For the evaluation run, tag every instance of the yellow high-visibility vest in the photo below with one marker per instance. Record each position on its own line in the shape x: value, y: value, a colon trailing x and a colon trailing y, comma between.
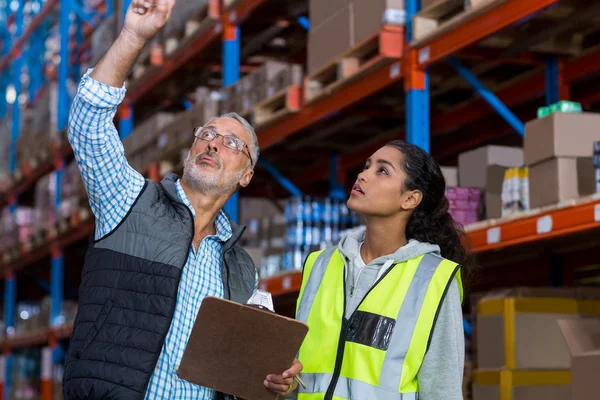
x: 376, y: 353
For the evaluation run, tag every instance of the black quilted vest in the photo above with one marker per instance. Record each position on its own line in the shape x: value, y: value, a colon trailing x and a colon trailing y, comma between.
x: 128, y: 294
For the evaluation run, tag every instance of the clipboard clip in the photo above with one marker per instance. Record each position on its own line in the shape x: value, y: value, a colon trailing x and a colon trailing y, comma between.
x: 262, y: 300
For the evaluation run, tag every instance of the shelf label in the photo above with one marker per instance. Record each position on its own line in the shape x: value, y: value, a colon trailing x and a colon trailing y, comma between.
x: 424, y: 54
x: 163, y: 140
x: 493, y: 235
x: 597, y: 213
x: 287, y: 282
x: 46, y: 367
x: 544, y: 224
x: 2, y: 368
x: 395, y: 70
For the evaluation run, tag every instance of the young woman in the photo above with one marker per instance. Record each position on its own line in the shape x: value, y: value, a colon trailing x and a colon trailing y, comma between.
x: 384, y: 306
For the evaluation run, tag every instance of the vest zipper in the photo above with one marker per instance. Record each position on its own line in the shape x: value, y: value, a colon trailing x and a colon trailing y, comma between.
x: 343, y: 335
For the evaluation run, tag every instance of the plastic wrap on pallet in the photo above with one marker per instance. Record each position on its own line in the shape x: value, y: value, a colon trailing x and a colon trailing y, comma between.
x: 15, y: 227
x: 5, y: 137
x: 45, y: 197
x: 206, y: 107
x: 147, y: 132
x: 232, y: 97
x: 182, y: 12
x: 72, y: 191
x: 464, y: 204
x: 103, y: 37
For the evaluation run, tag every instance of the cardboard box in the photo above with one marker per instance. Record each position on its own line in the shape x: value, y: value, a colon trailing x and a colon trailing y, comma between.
x: 561, y: 135
x: 329, y: 40
x: 450, y: 175
x: 560, y: 179
x: 583, y: 339
x: 493, y: 191
x: 369, y: 16
x: 472, y: 165
x: 516, y: 333
x: 522, y: 385
x: 321, y: 10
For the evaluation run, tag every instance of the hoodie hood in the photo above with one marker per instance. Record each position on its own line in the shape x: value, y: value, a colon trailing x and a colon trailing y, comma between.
x: 360, y: 278
x: 349, y: 247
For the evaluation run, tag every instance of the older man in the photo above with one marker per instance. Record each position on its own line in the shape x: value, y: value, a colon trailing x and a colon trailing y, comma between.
x: 159, y: 248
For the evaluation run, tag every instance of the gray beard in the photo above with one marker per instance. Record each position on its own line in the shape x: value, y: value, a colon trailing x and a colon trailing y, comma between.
x: 216, y: 184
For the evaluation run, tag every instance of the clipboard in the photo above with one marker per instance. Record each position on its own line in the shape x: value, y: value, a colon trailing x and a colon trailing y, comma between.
x: 233, y: 347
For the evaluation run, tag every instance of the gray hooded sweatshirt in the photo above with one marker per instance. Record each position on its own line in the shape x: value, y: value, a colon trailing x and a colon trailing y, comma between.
x: 441, y: 374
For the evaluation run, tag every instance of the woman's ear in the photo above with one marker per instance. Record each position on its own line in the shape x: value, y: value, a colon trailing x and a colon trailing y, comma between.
x: 411, y: 199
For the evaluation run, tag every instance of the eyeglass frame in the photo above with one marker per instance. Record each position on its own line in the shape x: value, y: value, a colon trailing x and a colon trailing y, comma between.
x: 198, y: 129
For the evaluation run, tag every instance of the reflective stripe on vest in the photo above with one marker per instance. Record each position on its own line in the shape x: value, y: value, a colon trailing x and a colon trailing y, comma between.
x: 383, y: 364
x: 351, y: 388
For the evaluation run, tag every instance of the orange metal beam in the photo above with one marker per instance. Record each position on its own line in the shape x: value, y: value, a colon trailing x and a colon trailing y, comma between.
x: 282, y: 284
x: 541, y: 226
x: 313, y: 112
x: 478, y: 28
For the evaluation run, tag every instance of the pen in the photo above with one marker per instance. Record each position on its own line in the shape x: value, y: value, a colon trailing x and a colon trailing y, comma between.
x: 300, y: 382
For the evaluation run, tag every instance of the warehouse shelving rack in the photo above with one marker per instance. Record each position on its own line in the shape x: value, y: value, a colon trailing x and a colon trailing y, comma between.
x: 511, y: 237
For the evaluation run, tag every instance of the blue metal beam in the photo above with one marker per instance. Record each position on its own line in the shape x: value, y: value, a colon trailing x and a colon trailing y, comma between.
x: 17, y: 68
x: 10, y: 308
x: 126, y: 122
x: 304, y: 22
x: 87, y: 17
x: 110, y: 9
x: 336, y: 189
x: 63, y: 68
x: 231, y: 74
x: 417, y: 117
x: 412, y: 7
x: 552, y: 80
x: 76, y: 69
x: 126, y: 4
x: 489, y: 97
x: 417, y: 94
x: 283, y: 181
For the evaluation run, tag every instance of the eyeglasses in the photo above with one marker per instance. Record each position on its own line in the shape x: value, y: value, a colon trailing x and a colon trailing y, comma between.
x: 231, y: 142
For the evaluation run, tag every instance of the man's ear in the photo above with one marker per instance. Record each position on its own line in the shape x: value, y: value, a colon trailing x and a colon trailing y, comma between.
x: 411, y: 199
x: 245, y: 181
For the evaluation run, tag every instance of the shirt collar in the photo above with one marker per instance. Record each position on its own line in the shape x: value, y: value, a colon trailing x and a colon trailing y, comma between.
x: 222, y: 224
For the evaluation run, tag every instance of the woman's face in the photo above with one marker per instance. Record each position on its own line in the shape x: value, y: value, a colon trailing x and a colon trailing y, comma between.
x: 379, y: 189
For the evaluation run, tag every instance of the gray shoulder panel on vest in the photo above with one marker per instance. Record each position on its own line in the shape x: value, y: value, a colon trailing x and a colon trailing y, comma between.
x: 391, y: 372
x: 149, y: 230
x: 314, y: 281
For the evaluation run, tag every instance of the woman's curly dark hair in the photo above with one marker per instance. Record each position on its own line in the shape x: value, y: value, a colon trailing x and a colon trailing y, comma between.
x: 431, y: 222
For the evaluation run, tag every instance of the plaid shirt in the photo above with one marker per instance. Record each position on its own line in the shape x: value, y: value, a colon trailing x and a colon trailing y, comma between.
x: 112, y: 186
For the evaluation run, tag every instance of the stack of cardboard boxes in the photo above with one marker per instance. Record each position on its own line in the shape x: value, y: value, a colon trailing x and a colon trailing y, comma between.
x: 270, y: 78
x: 339, y: 25
x: 5, y: 138
x: 484, y: 168
x: 522, y: 353
x: 558, y: 150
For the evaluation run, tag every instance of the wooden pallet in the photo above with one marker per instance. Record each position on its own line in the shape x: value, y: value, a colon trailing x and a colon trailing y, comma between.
x: 434, y: 20
x: 285, y: 102
x: 382, y: 48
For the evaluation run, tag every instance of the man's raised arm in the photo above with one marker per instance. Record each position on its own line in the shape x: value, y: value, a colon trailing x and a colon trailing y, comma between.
x: 111, y: 183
